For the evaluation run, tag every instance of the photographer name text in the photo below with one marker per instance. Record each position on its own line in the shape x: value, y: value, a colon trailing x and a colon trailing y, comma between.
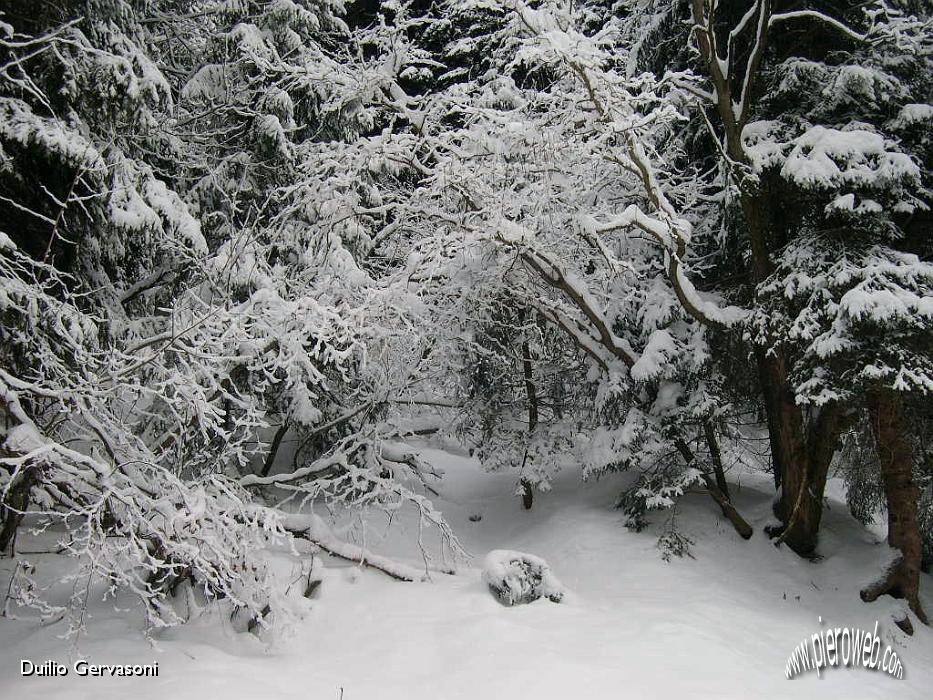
x: 85, y: 668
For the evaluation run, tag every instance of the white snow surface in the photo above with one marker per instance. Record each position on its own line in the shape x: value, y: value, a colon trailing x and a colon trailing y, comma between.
x: 720, y: 625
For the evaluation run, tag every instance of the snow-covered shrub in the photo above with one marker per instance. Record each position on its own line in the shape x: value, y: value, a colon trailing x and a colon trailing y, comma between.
x: 516, y: 578
x: 72, y: 458
x: 170, y: 300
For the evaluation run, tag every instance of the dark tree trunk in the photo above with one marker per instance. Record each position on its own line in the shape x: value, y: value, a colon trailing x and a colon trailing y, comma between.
x: 274, y: 448
x: 716, y: 456
x: 532, y: 393
x: 13, y: 507
x: 801, y: 452
x: 895, y: 456
x: 528, y: 495
x: 728, y: 510
x: 806, y: 458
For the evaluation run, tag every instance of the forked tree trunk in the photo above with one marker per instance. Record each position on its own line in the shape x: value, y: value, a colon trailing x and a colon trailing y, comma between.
x: 895, y: 456
x: 802, y: 452
x: 799, y: 451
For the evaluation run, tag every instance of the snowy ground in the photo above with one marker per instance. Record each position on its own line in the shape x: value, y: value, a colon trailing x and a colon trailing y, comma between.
x: 720, y: 626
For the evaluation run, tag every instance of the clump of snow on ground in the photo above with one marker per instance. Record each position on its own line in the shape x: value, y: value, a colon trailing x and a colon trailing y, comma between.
x: 516, y: 578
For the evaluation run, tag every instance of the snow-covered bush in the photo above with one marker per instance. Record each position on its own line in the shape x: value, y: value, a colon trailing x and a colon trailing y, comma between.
x: 74, y: 459
x: 152, y: 342
x: 516, y: 578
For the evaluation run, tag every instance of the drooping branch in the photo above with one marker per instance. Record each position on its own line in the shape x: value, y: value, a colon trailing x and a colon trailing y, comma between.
x: 728, y: 509
x: 551, y: 272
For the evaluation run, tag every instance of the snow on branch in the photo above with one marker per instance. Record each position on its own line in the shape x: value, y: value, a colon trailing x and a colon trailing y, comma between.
x: 819, y: 17
x: 312, y: 528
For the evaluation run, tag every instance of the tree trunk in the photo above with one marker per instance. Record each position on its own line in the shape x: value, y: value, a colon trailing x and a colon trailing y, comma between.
x: 799, y: 506
x: 728, y: 510
x: 716, y: 457
x: 895, y: 455
x: 274, y: 447
x: 12, y: 509
x: 528, y: 495
x: 531, y: 391
x: 805, y: 461
x: 801, y: 453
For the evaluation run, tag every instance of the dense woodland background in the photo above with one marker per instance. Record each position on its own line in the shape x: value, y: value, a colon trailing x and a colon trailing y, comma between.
x: 249, y: 249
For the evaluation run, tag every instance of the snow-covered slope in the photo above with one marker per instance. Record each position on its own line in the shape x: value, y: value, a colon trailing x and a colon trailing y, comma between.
x: 720, y: 625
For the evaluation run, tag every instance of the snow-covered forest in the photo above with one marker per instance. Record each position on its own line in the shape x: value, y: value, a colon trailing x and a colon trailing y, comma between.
x: 464, y: 348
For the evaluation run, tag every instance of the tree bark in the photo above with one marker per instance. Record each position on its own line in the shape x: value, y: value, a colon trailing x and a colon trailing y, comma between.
x: 716, y: 456
x: 895, y: 455
x: 14, y: 506
x: 274, y: 447
x: 804, y: 459
x: 728, y: 510
x: 798, y: 451
x: 532, y: 393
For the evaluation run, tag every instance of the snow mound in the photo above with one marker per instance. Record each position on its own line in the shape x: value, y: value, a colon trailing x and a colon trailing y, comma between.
x: 515, y: 578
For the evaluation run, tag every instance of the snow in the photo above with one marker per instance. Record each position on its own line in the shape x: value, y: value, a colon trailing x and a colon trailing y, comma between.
x: 720, y: 625
x: 913, y: 114
x: 24, y: 438
x: 19, y: 123
x: 656, y: 355
x: 844, y: 202
x: 824, y: 157
x: 206, y: 84
x: 827, y: 158
x: 762, y: 145
x: 885, y: 305
x: 517, y: 577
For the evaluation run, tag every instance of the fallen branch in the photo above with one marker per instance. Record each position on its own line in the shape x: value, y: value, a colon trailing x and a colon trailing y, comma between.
x: 313, y: 529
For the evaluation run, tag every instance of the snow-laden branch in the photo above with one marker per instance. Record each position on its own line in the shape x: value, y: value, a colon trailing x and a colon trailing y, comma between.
x: 819, y: 17
x: 312, y: 528
x: 572, y: 287
x: 671, y: 230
